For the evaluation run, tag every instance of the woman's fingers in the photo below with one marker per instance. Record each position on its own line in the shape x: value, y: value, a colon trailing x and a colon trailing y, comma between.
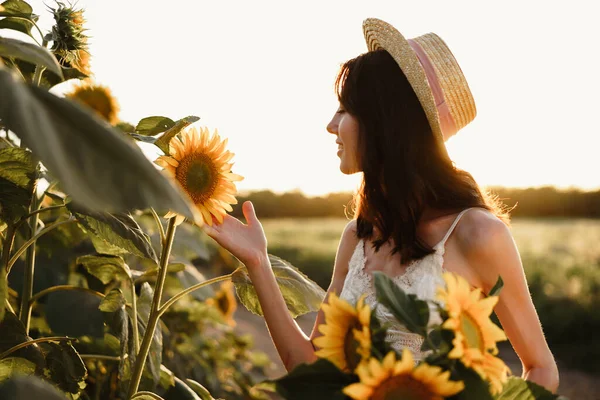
x: 249, y: 213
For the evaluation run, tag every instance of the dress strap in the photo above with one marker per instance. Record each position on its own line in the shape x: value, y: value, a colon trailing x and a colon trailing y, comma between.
x: 442, y: 243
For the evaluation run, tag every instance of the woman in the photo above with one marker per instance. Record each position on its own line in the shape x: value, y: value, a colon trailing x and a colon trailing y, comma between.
x: 417, y: 215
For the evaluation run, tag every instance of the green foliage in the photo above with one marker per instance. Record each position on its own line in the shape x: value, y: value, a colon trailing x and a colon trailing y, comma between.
x: 17, y: 180
x: 12, y: 366
x: 15, y: 8
x: 300, y: 293
x: 495, y: 291
x: 407, y: 308
x: 27, y: 388
x: 93, y: 161
x: 151, y: 126
x: 519, y: 389
x: 118, y: 230
x: 318, y: 381
x: 29, y: 52
x: 105, y: 267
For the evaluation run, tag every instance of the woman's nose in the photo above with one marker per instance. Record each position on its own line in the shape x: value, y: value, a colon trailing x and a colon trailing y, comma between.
x: 332, y: 126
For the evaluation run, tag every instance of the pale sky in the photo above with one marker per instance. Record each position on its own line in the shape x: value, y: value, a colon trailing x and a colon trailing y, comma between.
x: 262, y: 73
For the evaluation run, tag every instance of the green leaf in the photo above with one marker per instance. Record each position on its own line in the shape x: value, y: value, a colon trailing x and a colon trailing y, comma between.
x: 113, y: 301
x: 199, y: 390
x: 163, y: 141
x: 96, y: 165
x: 105, y: 267
x: 29, y: 387
x: 407, y: 308
x: 11, y: 366
x: 64, y: 367
x: 151, y: 126
x: 144, y: 304
x: 17, y: 179
x: 320, y: 380
x: 12, y: 333
x: 142, y: 138
x: 119, y: 230
x: 497, y: 287
x: 301, y: 294
x: 146, y: 396
x: 17, y: 8
x: 475, y: 387
x: 519, y: 389
x: 17, y: 24
x: 31, y: 53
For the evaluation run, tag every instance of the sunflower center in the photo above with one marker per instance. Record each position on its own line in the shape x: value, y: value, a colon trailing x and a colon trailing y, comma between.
x: 403, y: 387
x: 471, y: 331
x: 351, y: 346
x: 198, y: 174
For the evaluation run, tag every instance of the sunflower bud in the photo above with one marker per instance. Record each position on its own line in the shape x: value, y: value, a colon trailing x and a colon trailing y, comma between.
x: 69, y: 40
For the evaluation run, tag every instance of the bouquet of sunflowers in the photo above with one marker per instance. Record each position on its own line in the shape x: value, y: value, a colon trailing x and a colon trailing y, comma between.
x: 461, y: 354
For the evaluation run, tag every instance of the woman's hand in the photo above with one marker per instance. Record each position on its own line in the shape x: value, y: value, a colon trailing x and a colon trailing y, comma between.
x: 246, y: 242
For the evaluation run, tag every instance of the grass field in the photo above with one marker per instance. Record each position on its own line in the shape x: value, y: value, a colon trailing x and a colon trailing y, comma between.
x: 561, y: 258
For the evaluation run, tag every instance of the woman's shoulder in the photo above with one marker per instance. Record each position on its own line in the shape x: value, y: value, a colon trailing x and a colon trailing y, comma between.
x: 481, y: 231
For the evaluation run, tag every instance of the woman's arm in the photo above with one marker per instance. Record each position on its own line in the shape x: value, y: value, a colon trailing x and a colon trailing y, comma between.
x: 490, y: 251
x: 249, y: 245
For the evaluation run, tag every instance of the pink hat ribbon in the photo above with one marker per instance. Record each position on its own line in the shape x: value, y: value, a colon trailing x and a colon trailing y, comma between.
x: 447, y: 123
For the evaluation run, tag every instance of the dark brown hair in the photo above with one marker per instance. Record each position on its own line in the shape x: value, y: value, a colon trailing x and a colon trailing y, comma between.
x: 405, y: 168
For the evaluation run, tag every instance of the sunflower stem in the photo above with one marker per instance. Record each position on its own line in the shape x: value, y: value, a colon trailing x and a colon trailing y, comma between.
x: 39, y: 69
x: 25, y: 309
x: 134, y: 315
x: 161, y: 230
x: 154, y: 316
x: 197, y: 286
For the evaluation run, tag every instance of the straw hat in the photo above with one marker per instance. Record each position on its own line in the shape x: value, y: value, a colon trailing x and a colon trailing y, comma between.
x: 433, y: 73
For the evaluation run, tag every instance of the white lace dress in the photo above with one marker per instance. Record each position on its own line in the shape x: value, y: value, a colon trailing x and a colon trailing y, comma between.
x: 421, y: 278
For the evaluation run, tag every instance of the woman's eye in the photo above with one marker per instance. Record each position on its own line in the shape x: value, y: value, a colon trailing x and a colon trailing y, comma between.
x: 340, y: 111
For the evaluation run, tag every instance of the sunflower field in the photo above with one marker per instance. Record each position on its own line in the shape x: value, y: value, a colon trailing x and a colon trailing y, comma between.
x: 100, y: 291
x: 101, y: 294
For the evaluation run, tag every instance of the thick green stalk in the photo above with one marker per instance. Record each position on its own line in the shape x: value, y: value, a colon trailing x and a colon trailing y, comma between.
x: 25, y: 310
x: 140, y: 361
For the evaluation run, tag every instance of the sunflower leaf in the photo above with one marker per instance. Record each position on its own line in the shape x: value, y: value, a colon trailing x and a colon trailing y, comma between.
x: 321, y: 380
x: 17, y: 24
x: 143, y: 395
x: 113, y: 301
x: 64, y: 366
x: 12, y: 366
x: 29, y: 387
x: 96, y: 165
x: 17, y: 180
x: 497, y: 287
x: 151, y: 126
x: 407, y: 308
x: 105, y: 267
x: 118, y: 230
x: 15, y: 8
x: 163, y: 141
x: 475, y: 387
x: 519, y: 389
x: 301, y: 294
x: 31, y: 53
x: 199, y: 390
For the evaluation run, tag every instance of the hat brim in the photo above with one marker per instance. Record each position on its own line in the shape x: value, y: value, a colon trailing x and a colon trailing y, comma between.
x: 381, y: 35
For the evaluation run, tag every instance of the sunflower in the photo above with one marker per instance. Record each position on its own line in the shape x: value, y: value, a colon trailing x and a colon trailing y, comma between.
x: 346, y: 339
x: 391, y: 379
x: 224, y: 301
x: 70, y: 43
x: 475, y: 335
x: 97, y: 97
x: 201, y: 166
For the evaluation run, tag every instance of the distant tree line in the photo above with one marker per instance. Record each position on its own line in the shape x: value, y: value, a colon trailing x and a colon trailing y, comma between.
x: 530, y: 202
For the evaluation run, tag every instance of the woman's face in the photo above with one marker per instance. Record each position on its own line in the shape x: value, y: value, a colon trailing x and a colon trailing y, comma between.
x: 346, y: 128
